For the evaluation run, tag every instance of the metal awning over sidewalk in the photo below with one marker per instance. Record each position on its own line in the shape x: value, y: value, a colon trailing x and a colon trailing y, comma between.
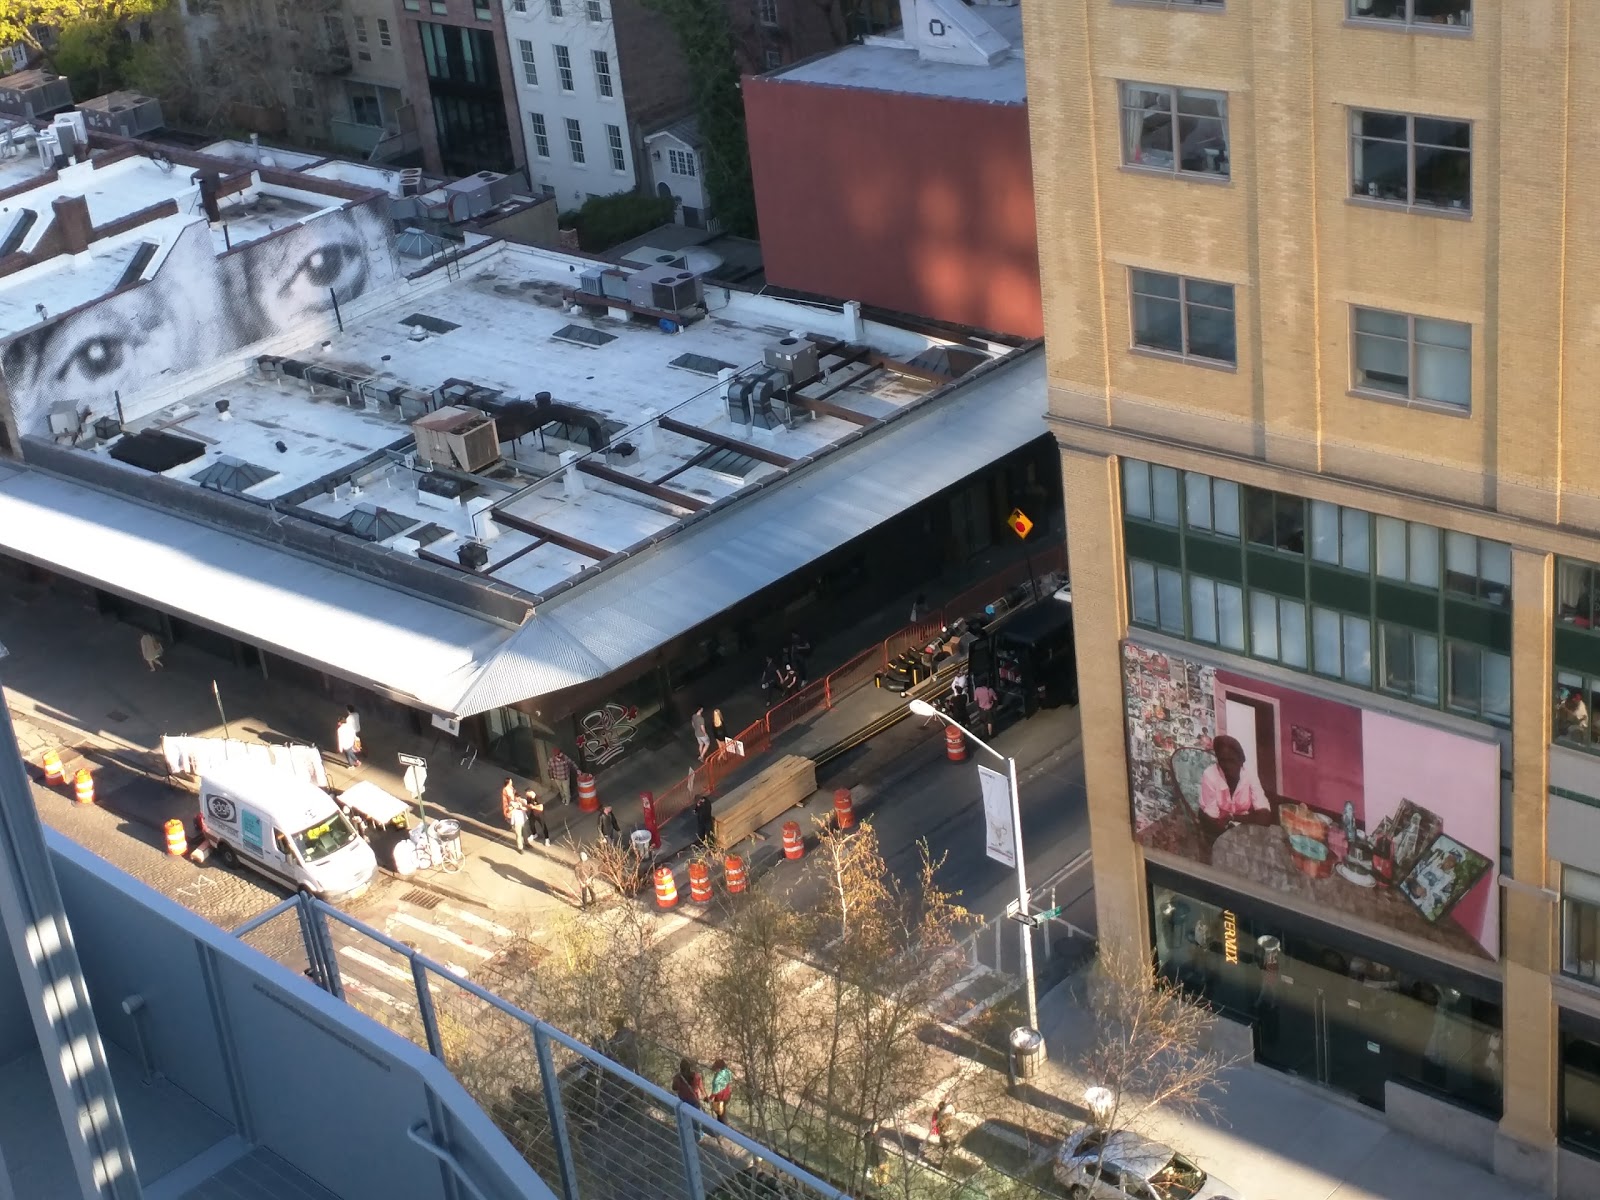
x: 338, y: 622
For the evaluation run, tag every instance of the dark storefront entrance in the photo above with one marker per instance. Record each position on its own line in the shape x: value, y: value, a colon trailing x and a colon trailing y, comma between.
x: 1329, y: 1005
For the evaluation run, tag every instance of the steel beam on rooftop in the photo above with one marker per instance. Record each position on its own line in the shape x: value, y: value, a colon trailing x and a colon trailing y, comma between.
x: 723, y: 442
x: 826, y: 408
x: 565, y: 541
x: 642, y: 486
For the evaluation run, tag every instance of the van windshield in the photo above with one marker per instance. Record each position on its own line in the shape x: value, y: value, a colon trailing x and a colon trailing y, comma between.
x: 324, y: 838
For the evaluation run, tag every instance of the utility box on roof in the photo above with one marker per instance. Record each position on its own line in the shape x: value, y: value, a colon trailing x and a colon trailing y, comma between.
x: 794, y: 356
x: 34, y: 94
x: 463, y: 439
x: 664, y: 288
x: 127, y: 114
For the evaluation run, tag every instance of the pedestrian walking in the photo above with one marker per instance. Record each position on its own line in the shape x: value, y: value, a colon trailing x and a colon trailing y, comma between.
x: 345, y: 737
x: 719, y: 730
x: 986, y: 699
x: 561, y: 773
x: 584, y: 872
x: 788, y: 680
x: 797, y: 652
x: 351, y: 715
x: 703, y: 824
x: 508, y: 793
x: 151, y: 650
x: 769, y: 681
x: 721, y: 1089
x: 519, y: 819
x: 697, y: 722
x: 610, y: 827
x: 687, y: 1084
x: 940, y: 1129
x: 536, y: 822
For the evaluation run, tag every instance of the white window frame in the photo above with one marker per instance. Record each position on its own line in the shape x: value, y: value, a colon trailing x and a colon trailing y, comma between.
x: 360, y: 23
x: 603, y: 85
x: 385, y: 37
x: 1184, y: 354
x: 575, y: 147
x: 1410, y: 397
x: 1409, y: 202
x: 1130, y: 132
x: 619, y: 154
x: 1408, y: 18
x: 767, y: 12
x: 681, y: 162
x: 555, y: 9
x: 530, y: 61
x: 594, y: 10
x: 564, y: 78
x: 541, y: 135
x: 519, y: 6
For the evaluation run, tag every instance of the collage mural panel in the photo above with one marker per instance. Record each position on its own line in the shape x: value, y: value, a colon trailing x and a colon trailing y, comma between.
x: 1354, y: 812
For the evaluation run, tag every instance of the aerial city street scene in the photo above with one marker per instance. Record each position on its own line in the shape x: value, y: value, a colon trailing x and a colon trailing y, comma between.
x: 799, y: 600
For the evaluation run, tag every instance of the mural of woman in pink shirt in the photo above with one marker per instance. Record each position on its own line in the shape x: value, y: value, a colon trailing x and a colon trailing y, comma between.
x: 1230, y: 793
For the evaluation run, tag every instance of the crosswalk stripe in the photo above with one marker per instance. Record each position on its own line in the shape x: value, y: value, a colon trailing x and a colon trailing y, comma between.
x: 476, y: 921
x: 439, y: 933
x: 372, y: 961
x: 352, y: 984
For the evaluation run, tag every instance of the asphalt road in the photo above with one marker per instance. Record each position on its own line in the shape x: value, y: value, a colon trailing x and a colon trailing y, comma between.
x: 913, y: 792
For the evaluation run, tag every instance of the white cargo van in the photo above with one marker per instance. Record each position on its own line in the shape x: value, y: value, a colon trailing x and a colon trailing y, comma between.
x: 285, y: 828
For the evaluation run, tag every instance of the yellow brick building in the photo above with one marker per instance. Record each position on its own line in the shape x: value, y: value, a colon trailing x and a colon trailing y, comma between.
x: 1322, y: 300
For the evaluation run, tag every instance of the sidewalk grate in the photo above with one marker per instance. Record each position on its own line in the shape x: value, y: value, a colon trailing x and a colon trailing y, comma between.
x: 421, y: 898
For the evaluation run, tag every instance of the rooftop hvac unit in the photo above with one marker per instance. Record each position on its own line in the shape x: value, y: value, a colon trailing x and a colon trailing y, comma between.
x: 501, y: 187
x: 269, y: 366
x: 439, y: 491
x: 739, y: 400
x: 462, y: 438
x: 474, y: 556
x: 414, y: 403
x: 766, y: 411
x: 49, y: 147
x: 70, y: 132
x: 127, y: 114
x: 410, y: 181
x: 794, y: 356
x: 665, y: 289
x: 469, y: 197
x: 606, y: 282
x: 34, y: 94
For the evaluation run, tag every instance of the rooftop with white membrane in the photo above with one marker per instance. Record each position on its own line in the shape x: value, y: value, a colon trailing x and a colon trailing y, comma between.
x: 895, y: 64
x: 550, y: 507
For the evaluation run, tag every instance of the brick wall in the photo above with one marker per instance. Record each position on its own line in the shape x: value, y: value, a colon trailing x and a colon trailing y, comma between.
x: 655, y: 78
x: 913, y: 203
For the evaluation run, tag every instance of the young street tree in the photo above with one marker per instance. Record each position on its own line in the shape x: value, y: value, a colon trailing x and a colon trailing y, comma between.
x: 31, y: 22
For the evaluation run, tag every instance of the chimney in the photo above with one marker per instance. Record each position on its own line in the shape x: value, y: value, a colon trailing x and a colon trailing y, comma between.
x: 73, y: 223
x: 574, y: 480
x: 855, y: 327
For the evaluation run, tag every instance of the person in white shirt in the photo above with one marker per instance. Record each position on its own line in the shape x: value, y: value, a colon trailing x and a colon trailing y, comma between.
x: 346, y: 738
x: 1230, y: 793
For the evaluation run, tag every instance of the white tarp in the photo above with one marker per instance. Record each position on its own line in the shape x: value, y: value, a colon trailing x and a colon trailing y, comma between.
x: 1000, y: 835
x: 197, y: 755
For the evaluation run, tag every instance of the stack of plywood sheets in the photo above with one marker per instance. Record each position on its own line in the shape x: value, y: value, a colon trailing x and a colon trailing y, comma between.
x: 787, y: 782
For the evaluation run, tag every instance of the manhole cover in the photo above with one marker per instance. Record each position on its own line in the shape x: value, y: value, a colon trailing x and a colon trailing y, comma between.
x: 117, y: 716
x: 422, y: 899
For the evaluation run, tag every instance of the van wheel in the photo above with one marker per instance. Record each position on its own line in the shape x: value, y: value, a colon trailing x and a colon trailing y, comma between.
x: 226, y: 854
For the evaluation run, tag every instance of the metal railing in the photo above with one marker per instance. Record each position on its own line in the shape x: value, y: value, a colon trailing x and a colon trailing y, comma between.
x: 590, y: 1126
x: 825, y: 693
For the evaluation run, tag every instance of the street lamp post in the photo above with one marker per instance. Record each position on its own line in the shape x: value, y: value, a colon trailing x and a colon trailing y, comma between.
x: 1024, y: 901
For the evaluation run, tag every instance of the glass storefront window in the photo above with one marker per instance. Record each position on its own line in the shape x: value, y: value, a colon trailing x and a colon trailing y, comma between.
x: 1580, y: 923
x: 1336, y: 1016
x: 1580, y: 1093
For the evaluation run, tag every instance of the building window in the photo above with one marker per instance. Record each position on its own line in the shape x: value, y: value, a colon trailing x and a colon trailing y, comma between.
x: 541, y: 134
x: 773, y: 59
x: 1149, y: 492
x: 619, y: 157
x: 361, y: 28
x: 1423, y: 162
x: 441, y: 8
x: 767, y: 11
x: 1479, y: 682
x: 1413, y: 358
x: 680, y: 162
x: 482, y: 11
x: 530, y: 65
x: 1216, y: 613
x: 564, y: 68
x: 1278, y: 629
x: 1580, y: 925
x: 1187, y: 317
x: 1477, y: 568
x: 520, y: 6
x: 602, y: 73
x: 1156, y: 596
x: 384, y: 37
x: 595, y: 11
x: 1410, y: 663
x: 1426, y: 13
x: 1275, y: 520
x: 575, y: 141
x: 1341, y: 646
x: 1175, y: 129
x: 411, y: 5
x: 555, y: 8
x: 1408, y: 552
x: 1341, y: 536
x: 1211, y: 505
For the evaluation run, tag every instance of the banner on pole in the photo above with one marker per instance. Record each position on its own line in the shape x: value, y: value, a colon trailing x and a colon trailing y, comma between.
x: 1000, y: 834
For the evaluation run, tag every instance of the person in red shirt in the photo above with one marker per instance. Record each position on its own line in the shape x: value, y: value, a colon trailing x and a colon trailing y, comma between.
x: 687, y: 1084
x: 561, y: 774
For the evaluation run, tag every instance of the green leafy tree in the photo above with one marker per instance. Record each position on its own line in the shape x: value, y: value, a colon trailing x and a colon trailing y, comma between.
x: 707, y: 43
x: 38, y: 23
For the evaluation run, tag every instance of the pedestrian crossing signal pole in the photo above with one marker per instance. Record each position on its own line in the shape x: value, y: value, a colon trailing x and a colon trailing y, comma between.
x: 1022, y: 527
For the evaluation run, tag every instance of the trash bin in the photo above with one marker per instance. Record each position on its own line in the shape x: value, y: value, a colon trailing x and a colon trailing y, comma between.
x: 639, y: 840
x: 1027, y: 1051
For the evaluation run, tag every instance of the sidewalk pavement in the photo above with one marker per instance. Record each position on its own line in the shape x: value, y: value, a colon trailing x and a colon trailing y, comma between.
x: 1278, y: 1138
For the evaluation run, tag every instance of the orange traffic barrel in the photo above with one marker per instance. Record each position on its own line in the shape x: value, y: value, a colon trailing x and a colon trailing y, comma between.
x: 844, y: 809
x: 733, y: 874
x: 794, y: 846
x: 177, y: 844
x: 666, y: 888
x: 83, y: 786
x: 700, y: 883
x: 53, y: 774
x: 955, y: 744
x: 588, y: 794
